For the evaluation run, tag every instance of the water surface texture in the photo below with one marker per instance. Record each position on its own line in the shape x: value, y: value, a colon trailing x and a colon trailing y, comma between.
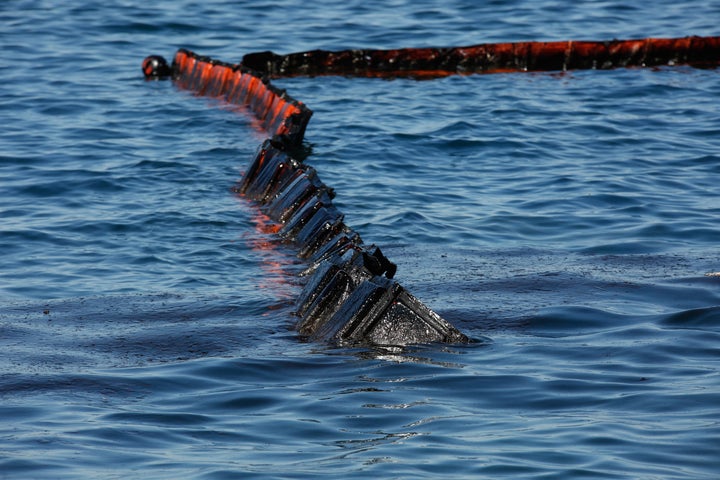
x: 568, y: 222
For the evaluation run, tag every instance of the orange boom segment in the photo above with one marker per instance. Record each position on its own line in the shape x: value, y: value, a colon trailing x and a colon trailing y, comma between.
x: 200, y: 77
x: 218, y: 78
x: 279, y: 114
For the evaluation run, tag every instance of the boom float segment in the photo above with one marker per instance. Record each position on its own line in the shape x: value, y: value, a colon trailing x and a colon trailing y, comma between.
x: 491, y: 58
x: 349, y: 297
x: 280, y: 115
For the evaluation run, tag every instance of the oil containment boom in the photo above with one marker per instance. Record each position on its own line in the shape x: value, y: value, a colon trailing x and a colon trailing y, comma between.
x: 350, y: 296
x: 491, y: 58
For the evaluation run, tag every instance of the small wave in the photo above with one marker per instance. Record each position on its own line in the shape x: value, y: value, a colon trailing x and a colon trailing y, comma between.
x: 708, y: 317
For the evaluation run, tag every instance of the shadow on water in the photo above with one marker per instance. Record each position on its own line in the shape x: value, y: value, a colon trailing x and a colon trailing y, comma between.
x: 561, y: 293
x: 130, y: 330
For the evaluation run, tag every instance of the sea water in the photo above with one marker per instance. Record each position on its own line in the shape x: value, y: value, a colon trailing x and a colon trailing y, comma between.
x: 568, y: 222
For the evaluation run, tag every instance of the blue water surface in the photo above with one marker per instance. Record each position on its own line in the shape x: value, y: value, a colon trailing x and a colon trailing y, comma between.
x: 567, y: 221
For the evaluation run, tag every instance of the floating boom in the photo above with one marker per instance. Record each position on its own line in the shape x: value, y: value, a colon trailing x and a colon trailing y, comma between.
x: 491, y: 58
x: 350, y: 297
